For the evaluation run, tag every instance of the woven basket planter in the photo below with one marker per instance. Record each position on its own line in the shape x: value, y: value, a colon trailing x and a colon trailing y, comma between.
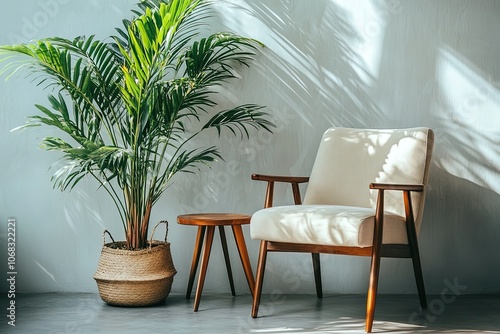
x: 135, y: 277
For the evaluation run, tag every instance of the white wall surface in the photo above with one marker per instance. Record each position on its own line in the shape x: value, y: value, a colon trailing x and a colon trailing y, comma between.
x: 326, y: 63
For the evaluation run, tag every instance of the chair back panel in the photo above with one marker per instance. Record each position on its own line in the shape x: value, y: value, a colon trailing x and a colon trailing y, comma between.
x: 348, y: 160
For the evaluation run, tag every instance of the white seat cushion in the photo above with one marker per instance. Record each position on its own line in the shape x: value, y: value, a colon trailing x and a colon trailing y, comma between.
x: 325, y: 225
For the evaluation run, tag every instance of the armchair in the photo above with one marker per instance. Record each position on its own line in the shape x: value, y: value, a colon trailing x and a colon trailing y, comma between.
x: 365, y: 197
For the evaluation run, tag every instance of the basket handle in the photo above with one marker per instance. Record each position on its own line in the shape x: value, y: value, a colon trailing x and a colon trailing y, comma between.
x: 104, y: 236
x: 153, y: 232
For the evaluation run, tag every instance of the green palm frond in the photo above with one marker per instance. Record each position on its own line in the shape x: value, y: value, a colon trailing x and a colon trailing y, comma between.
x: 188, y: 161
x: 238, y: 119
x: 123, y: 105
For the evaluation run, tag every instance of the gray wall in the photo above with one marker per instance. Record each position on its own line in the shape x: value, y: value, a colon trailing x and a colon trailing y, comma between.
x: 326, y: 63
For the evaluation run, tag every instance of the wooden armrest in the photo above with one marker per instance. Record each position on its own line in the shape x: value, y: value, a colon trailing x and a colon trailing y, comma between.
x: 280, y: 178
x: 396, y: 186
x: 271, y: 179
x: 379, y: 214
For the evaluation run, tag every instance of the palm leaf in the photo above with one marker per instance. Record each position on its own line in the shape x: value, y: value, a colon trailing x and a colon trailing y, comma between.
x: 239, y: 118
x: 123, y: 105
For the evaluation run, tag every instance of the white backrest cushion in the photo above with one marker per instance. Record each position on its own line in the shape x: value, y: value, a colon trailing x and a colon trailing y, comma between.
x: 348, y: 160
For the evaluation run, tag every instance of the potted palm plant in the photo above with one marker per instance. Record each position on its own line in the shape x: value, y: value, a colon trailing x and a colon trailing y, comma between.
x: 127, y: 108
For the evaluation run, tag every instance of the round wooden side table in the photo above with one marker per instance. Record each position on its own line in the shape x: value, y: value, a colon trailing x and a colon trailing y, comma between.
x: 207, y: 222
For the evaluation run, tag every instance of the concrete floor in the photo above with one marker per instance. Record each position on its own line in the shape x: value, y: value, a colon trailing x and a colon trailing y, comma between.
x: 222, y: 313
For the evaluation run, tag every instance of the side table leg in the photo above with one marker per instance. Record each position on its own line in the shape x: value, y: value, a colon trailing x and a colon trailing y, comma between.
x: 226, y: 258
x: 196, y: 258
x: 204, y: 264
x: 245, y: 261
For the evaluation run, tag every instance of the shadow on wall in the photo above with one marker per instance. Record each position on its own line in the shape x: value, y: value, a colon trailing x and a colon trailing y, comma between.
x: 309, y: 77
x: 310, y: 65
x: 436, y: 66
x: 460, y: 235
x: 439, y: 64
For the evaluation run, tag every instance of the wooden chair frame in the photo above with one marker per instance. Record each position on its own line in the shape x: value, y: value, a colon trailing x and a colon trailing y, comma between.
x: 376, y: 251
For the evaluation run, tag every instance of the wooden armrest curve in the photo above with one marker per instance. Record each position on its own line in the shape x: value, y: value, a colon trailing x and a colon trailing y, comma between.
x: 271, y: 179
x: 280, y: 178
x: 396, y: 186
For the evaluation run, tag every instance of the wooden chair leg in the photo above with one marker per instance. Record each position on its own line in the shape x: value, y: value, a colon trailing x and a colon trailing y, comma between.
x: 223, y: 241
x: 417, y: 267
x: 317, y: 274
x: 196, y: 258
x: 378, y: 230
x: 261, y: 267
x: 204, y: 264
x: 415, y: 254
x: 372, y: 292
